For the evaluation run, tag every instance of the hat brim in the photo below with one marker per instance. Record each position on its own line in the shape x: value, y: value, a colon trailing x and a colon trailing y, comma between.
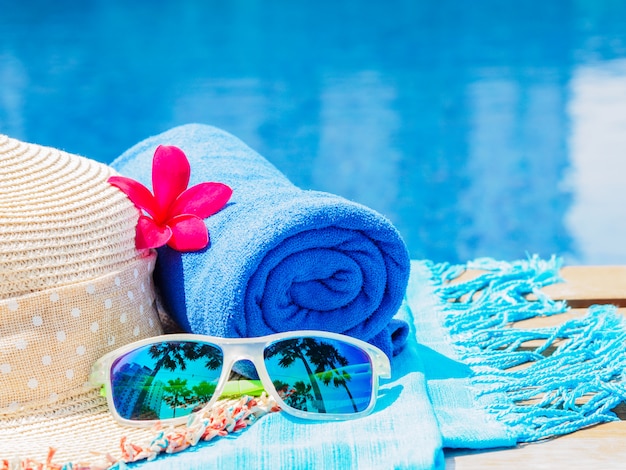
x: 83, y: 433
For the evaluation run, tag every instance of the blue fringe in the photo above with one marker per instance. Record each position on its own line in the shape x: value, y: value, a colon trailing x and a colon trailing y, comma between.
x: 573, y: 379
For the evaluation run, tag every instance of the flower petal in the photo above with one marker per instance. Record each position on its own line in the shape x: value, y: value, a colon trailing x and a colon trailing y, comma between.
x: 136, y: 192
x: 170, y: 176
x: 203, y: 200
x: 151, y: 235
x: 188, y: 233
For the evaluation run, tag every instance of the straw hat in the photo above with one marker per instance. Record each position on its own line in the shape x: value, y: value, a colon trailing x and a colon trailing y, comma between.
x: 72, y: 287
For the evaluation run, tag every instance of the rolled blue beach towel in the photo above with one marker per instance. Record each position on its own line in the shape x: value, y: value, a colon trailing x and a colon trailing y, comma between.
x: 280, y: 258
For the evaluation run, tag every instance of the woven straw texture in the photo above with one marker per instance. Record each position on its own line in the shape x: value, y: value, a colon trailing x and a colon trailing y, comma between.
x: 60, y: 221
x: 72, y: 287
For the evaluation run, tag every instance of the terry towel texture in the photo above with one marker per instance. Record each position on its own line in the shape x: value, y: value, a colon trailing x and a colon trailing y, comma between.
x: 280, y: 258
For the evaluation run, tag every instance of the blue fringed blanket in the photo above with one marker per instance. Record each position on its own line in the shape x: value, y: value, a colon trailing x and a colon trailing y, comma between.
x: 493, y: 383
x: 280, y: 258
x: 464, y: 380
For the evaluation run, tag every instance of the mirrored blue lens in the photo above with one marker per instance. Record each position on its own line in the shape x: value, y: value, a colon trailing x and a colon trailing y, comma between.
x: 320, y: 375
x: 165, y: 380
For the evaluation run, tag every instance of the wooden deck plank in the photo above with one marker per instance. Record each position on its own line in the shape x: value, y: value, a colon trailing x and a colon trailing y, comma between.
x: 577, y: 451
x: 587, y: 285
x: 602, y: 446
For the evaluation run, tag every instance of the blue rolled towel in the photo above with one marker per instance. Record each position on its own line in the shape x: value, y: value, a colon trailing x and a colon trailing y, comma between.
x: 280, y: 258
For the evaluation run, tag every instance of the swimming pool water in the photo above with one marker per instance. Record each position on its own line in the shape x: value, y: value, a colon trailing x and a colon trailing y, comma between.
x: 481, y: 128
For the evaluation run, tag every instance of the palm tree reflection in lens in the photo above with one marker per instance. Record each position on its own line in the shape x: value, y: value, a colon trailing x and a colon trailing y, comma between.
x: 171, y: 379
x: 320, y: 375
x: 165, y: 380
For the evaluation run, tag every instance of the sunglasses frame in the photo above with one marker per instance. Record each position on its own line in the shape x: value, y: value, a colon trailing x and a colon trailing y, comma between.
x: 238, y: 349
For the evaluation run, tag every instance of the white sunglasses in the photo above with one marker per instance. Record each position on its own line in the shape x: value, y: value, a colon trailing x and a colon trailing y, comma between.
x: 310, y: 374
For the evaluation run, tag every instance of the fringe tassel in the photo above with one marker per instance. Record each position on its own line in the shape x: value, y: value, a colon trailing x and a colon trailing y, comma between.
x: 574, y: 375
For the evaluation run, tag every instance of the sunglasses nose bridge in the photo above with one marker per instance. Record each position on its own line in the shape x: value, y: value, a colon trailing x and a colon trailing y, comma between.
x: 241, y: 352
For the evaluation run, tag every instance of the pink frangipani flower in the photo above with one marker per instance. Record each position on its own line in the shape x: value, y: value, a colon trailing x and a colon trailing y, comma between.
x: 174, y: 215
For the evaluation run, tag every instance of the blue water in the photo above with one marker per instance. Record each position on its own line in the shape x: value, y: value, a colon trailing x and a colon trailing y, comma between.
x: 480, y: 128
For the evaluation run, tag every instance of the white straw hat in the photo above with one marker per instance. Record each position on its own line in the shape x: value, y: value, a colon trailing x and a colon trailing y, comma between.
x: 72, y: 287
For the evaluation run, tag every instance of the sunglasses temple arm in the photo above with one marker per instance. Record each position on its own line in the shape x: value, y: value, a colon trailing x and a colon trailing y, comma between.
x: 381, y: 363
x: 98, y: 373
